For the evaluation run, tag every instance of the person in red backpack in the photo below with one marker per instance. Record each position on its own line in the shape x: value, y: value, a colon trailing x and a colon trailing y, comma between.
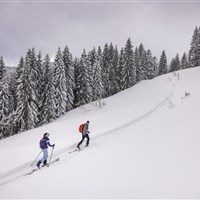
x: 85, y: 134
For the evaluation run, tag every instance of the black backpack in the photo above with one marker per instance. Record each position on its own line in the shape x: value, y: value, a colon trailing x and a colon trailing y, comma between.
x: 42, y: 143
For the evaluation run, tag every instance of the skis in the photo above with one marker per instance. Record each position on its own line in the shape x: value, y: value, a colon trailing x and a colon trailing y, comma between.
x: 34, y: 170
x: 74, y: 150
x: 77, y: 149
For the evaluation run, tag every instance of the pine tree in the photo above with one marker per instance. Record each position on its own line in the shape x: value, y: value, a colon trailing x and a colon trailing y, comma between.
x: 83, y: 91
x: 5, y: 100
x: 105, y: 70
x: 86, y: 78
x: 92, y: 57
x: 40, y: 87
x: 18, y: 73
x: 27, y: 109
x: 151, y: 65
x: 194, y: 53
x: 163, y: 64
x: 156, y: 66
x: 70, y: 79
x: 13, y: 90
x: 113, y: 57
x: 128, y: 73
x: 184, y: 62
x: 78, y: 82
x: 98, y: 82
x: 60, y: 84
x: 2, y: 68
x: 175, y: 64
x: 48, y: 104
x: 137, y: 64
x: 141, y: 63
x: 120, y: 67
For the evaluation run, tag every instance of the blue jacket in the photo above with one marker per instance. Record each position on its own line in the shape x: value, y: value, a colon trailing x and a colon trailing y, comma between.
x: 44, y: 143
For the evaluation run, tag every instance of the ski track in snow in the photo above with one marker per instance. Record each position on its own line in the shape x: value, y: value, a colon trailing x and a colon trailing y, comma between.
x: 63, y: 154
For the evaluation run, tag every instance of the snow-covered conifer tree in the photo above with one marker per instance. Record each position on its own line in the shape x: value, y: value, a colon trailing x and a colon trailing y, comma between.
x: 120, y: 66
x: 40, y: 87
x: 70, y: 79
x: 2, y: 68
x: 175, y: 64
x: 6, y: 107
x: 151, y: 65
x: 86, y: 86
x: 97, y: 81
x: 194, y: 53
x: 60, y: 84
x: 27, y: 109
x: 105, y: 70
x: 5, y: 96
x: 128, y: 73
x: 48, y: 104
x: 163, y: 64
x: 141, y: 63
x: 112, y: 83
x: 184, y: 61
x: 78, y: 81
x: 92, y: 58
x: 83, y: 91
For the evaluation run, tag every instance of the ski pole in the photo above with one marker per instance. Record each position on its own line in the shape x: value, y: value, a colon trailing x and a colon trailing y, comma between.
x: 51, y: 156
x: 36, y: 158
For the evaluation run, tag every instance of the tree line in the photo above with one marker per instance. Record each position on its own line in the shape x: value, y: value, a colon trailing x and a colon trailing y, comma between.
x: 39, y: 91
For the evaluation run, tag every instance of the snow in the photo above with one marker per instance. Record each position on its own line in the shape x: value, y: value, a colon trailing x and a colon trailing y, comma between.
x: 145, y: 143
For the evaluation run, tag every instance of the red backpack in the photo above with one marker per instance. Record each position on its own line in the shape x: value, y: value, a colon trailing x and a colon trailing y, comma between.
x: 81, y: 128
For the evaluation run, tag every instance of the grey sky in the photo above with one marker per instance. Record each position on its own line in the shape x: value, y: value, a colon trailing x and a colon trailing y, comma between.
x: 47, y: 25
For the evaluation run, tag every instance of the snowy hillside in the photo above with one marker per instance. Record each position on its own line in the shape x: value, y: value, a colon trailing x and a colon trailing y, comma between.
x: 145, y: 143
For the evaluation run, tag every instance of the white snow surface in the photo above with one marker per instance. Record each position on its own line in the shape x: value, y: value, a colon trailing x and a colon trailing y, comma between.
x: 145, y: 143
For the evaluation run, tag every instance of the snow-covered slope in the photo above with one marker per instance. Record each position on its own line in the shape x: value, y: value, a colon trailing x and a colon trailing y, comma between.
x: 145, y: 143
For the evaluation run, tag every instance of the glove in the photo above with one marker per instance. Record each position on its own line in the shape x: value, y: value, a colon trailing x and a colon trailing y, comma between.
x: 53, y: 145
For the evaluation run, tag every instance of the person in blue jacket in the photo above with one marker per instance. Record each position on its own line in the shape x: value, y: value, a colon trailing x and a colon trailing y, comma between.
x: 44, y: 143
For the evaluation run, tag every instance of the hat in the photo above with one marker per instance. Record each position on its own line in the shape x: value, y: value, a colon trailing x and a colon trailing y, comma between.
x: 46, y: 135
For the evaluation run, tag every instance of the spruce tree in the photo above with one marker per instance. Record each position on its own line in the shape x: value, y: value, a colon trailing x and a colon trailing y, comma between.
x: 141, y: 63
x: 70, y: 79
x: 48, y: 104
x: 60, y: 84
x: 151, y: 65
x: 120, y: 67
x: 86, y: 78
x: 194, y: 53
x: 128, y: 73
x: 112, y: 80
x: 83, y: 91
x: 105, y: 70
x: 2, y: 68
x: 5, y: 96
x: 98, y: 82
x: 92, y: 57
x: 78, y: 81
x: 175, y: 64
x: 184, y: 62
x: 27, y: 110
x: 163, y: 64
x: 40, y: 87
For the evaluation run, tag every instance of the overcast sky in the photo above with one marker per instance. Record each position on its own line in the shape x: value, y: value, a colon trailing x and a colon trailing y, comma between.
x: 47, y: 25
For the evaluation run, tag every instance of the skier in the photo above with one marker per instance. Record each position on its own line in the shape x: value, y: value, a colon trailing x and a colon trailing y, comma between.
x: 44, y: 143
x: 85, y: 134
